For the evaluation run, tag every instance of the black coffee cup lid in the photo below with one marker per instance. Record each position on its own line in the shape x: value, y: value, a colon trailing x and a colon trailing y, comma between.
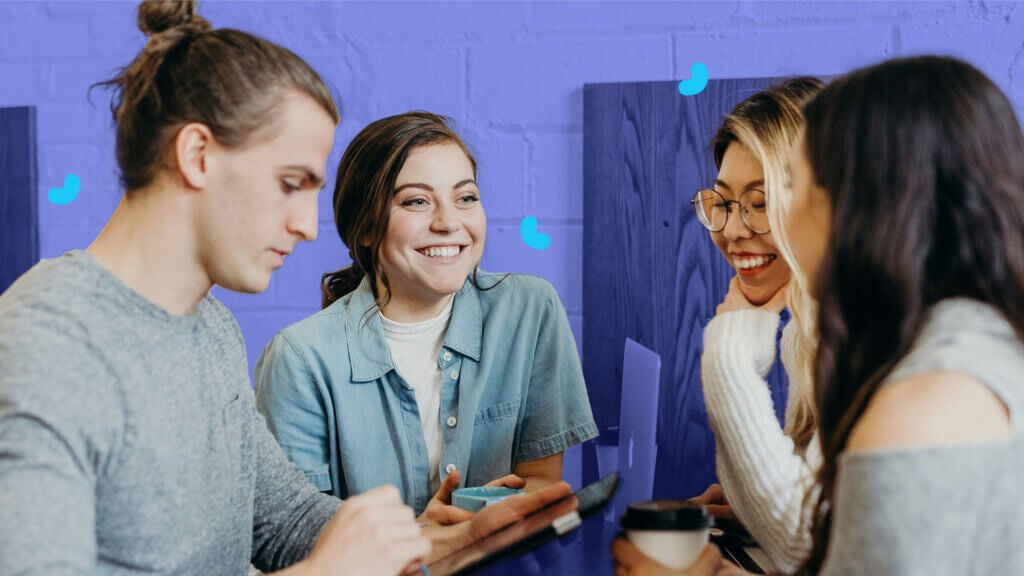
x: 666, y: 515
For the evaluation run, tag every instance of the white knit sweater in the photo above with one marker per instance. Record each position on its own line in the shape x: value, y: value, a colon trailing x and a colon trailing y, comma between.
x: 763, y: 476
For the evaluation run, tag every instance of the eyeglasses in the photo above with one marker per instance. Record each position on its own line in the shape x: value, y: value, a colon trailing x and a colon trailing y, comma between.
x: 713, y: 210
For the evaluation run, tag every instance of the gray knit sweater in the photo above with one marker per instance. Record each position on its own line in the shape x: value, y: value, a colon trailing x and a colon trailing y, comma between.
x: 948, y: 510
x: 764, y: 476
x: 129, y: 441
x: 951, y: 510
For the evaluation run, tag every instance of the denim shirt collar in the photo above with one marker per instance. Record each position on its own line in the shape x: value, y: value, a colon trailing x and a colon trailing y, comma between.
x: 368, y: 351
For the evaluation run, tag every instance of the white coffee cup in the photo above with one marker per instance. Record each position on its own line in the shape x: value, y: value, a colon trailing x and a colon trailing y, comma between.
x: 673, y: 532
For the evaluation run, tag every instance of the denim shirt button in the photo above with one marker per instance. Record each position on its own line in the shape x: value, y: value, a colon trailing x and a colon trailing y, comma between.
x: 450, y: 468
x: 446, y: 356
x: 454, y: 374
x: 452, y: 421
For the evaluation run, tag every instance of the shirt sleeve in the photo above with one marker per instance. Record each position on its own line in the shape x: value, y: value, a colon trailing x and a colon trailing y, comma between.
x: 939, y: 511
x: 763, y: 476
x: 61, y: 423
x: 557, y: 413
x: 289, y: 511
x: 287, y: 396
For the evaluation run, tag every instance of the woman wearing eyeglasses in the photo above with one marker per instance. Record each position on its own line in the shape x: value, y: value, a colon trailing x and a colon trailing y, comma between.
x: 764, y: 470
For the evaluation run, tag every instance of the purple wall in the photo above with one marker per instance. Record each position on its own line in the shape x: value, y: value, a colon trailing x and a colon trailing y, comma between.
x: 509, y: 73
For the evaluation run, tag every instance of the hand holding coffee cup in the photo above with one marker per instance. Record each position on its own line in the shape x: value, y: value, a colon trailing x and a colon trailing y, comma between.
x: 629, y: 561
x: 673, y: 532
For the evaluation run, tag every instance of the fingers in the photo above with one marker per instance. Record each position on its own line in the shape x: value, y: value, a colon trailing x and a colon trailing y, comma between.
x: 413, y: 554
x: 734, y: 298
x: 628, y: 558
x: 707, y: 563
x: 625, y: 553
x: 713, y: 495
x: 385, y: 523
x: 440, y: 509
x: 514, y: 508
x: 441, y: 500
x: 715, y: 502
x: 447, y: 515
x: 523, y: 504
x: 372, y: 532
x: 510, y: 481
x: 721, y: 511
x: 448, y: 485
x: 727, y: 568
x: 384, y: 499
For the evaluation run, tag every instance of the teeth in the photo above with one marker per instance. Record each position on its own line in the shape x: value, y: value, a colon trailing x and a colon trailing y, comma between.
x: 752, y: 261
x: 441, y: 252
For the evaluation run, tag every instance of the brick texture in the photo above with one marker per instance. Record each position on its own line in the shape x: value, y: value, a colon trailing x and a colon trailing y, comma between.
x: 510, y: 74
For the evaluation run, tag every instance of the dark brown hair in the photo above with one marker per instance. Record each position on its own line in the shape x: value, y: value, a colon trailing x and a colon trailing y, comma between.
x: 922, y: 159
x: 364, y: 188
x: 229, y: 80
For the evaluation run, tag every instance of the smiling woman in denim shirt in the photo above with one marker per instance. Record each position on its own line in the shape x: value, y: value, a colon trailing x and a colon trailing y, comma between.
x: 423, y: 371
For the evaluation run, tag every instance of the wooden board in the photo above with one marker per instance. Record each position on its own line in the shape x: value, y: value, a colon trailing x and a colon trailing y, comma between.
x: 19, y: 220
x: 650, y: 270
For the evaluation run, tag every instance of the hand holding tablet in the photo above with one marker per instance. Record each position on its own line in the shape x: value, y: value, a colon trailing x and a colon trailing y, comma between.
x: 519, y: 523
x: 441, y: 511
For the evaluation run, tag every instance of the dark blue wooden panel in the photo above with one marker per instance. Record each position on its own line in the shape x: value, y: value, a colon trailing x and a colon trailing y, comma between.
x: 650, y: 270
x: 19, y: 221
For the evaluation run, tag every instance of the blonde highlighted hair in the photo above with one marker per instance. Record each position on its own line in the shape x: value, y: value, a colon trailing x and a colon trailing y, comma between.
x: 767, y: 125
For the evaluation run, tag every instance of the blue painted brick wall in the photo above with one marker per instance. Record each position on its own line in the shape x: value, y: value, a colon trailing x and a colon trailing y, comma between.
x: 509, y: 73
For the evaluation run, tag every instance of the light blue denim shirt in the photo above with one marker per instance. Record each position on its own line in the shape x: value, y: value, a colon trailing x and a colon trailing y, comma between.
x: 512, y: 391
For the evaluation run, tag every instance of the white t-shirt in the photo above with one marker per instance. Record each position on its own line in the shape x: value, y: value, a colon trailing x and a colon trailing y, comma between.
x: 415, y: 347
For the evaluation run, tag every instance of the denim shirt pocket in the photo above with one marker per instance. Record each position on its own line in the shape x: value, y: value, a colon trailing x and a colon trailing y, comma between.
x: 494, y: 432
x: 319, y: 476
x: 508, y: 409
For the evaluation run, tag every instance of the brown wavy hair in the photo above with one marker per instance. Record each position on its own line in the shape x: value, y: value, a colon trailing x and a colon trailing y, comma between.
x: 363, y: 190
x: 229, y: 80
x: 923, y: 159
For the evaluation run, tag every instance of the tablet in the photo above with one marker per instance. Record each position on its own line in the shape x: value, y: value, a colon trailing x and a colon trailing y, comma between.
x: 553, y: 521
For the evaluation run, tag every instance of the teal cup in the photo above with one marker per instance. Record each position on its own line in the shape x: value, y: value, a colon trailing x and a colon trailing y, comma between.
x: 473, y: 499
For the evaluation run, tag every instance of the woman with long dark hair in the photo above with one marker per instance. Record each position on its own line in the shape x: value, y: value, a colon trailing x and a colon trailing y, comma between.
x: 908, y: 221
x: 908, y: 215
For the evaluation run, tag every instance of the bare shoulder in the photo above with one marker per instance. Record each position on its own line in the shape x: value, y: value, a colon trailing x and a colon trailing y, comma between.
x: 938, y: 408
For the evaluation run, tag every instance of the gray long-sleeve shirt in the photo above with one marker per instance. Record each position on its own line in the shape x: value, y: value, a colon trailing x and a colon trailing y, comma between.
x: 129, y: 440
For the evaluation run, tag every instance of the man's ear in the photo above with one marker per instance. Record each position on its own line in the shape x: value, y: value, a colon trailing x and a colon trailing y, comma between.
x: 192, y: 147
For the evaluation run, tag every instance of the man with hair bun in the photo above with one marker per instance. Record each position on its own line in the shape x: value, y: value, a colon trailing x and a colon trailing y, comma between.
x: 129, y: 439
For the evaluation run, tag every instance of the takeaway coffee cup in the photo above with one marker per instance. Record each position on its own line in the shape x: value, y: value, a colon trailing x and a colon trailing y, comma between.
x: 673, y: 532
